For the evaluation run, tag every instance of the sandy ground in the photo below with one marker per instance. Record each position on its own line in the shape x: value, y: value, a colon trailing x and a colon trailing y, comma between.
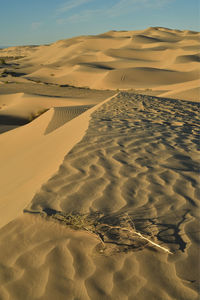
x: 138, y: 157
x: 21, y: 103
x: 151, y: 59
x: 97, y: 172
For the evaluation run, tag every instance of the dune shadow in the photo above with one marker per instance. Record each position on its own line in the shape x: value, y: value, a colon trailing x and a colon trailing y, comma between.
x: 12, y: 73
x: 12, y: 120
x: 5, y: 128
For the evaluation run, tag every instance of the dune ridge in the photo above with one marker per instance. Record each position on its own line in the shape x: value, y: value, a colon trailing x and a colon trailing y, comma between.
x: 144, y: 59
x: 47, y: 132
x: 63, y: 115
x: 95, y: 154
x: 132, y: 159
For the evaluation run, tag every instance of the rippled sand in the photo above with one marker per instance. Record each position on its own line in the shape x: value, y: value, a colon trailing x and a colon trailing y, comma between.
x: 138, y: 157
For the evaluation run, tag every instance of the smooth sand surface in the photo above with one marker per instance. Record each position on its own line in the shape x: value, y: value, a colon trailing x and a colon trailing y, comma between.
x: 89, y: 175
x: 20, y: 107
x: 145, y: 59
x: 21, y: 103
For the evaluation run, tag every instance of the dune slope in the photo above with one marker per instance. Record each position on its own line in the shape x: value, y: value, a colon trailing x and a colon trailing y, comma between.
x: 29, y: 154
x: 145, y: 59
x: 132, y: 161
x: 100, y: 200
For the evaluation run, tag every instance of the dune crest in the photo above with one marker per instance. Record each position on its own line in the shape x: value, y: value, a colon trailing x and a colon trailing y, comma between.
x: 145, y: 59
x: 39, y: 147
x: 132, y: 161
x: 99, y: 167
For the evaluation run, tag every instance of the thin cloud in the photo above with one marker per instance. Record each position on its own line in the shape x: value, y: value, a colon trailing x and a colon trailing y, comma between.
x: 36, y: 25
x: 71, y: 5
x: 82, y: 16
x: 123, y: 7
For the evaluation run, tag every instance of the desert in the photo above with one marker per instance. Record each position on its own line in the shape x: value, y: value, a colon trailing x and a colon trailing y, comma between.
x: 99, y: 167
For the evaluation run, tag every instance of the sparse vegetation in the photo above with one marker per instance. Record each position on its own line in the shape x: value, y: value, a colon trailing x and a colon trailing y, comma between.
x: 36, y: 114
x: 2, y: 61
x: 119, y: 231
x: 6, y: 58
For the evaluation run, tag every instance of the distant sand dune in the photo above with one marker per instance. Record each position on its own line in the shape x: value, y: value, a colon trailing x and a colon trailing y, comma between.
x: 146, y: 39
x: 21, y: 108
x: 75, y: 61
x: 146, y: 77
x: 88, y: 182
x: 188, y: 58
x: 25, y: 106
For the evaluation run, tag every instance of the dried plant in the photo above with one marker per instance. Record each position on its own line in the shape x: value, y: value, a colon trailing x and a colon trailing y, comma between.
x: 36, y: 114
x: 118, y: 230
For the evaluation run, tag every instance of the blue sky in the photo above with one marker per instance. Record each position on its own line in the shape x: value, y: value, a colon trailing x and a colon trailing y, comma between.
x: 24, y: 22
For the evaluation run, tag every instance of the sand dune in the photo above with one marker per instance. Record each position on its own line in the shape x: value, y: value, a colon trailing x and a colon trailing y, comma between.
x: 99, y: 187
x: 139, y: 157
x: 27, y: 106
x: 133, y: 118
x: 75, y: 61
x: 18, y: 51
x: 189, y: 90
x: 63, y: 262
x: 146, y: 77
x: 20, y: 108
x: 188, y: 58
x: 29, y: 154
x: 62, y: 115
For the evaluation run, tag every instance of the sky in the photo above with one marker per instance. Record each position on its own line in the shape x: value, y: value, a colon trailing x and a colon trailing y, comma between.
x: 33, y: 22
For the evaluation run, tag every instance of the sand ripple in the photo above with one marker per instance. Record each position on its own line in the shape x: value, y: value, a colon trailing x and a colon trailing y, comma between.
x: 139, y: 157
x: 63, y: 115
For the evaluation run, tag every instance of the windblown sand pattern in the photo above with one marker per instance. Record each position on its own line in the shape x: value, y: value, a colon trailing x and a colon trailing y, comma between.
x: 64, y: 114
x: 99, y: 201
x: 138, y: 157
x: 43, y: 260
x: 162, y: 60
x: 133, y: 156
